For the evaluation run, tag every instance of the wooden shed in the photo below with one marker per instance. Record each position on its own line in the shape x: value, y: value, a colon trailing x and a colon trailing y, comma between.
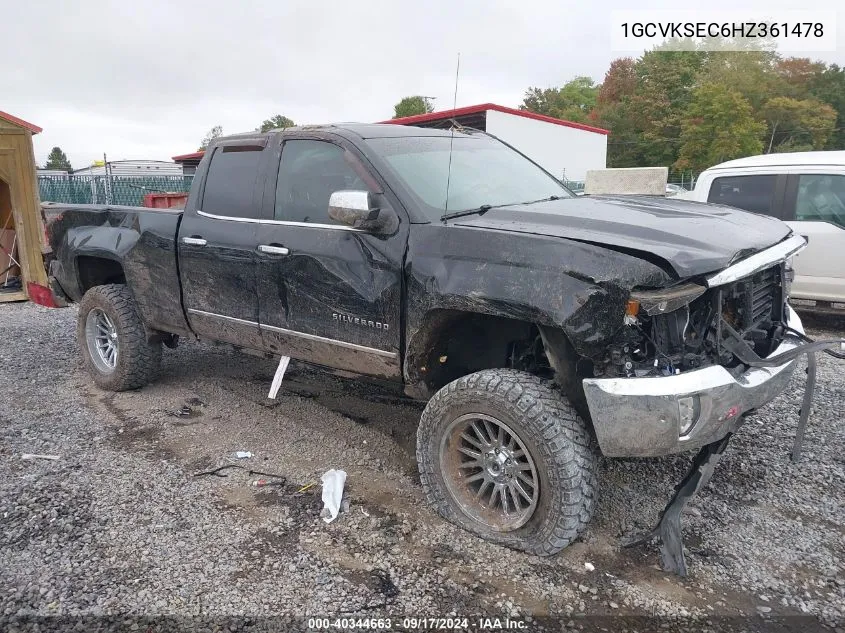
x: 21, y: 228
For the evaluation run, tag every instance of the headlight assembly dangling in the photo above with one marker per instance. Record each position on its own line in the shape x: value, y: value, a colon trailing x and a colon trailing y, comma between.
x: 665, y: 300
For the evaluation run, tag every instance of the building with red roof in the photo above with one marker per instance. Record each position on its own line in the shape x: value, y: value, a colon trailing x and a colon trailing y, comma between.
x: 564, y: 148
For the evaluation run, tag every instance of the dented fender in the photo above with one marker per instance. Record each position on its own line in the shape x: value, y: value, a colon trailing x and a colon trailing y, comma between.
x: 141, y: 241
x: 580, y: 289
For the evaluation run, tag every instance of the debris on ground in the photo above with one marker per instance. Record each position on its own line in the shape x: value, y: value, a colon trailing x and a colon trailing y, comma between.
x: 218, y: 472
x: 29, y: 456
x: 278, y: 376
x: 243, y: 454
x: 333, y: 482
x: 260, y: 483
x: 184, y: 412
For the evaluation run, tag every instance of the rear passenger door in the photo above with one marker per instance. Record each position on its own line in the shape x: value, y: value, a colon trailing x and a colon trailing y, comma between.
x: 328, y: 294
x: 217, y: 247
x: 815, y: 208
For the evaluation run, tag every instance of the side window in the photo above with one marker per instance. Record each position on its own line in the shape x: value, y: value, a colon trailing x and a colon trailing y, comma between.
x: 752, y: 193
x: 310, y: 171
x: 821, y: 198
x: 230, y: 183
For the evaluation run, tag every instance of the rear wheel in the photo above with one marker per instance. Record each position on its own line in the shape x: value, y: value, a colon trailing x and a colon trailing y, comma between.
x: 113, y: 341
x: 506, y: 457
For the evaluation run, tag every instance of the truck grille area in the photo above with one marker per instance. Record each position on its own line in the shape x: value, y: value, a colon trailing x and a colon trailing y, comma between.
x: 693, y: 336
x: 754, y: 305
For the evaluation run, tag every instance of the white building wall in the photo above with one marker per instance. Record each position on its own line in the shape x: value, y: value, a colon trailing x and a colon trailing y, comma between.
x: 563, y: 151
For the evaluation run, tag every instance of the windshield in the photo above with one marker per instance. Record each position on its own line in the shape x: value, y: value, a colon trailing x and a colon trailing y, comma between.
x: 484, y: 172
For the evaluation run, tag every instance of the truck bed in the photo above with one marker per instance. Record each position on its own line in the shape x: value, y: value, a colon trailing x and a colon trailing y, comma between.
x: 138, y: 245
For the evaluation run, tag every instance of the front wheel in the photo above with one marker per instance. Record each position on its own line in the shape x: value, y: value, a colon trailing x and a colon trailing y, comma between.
x: 503, y: 455
x: 113, y: 341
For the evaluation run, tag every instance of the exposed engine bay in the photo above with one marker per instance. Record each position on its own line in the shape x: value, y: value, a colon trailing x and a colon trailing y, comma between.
x: 690, y: 326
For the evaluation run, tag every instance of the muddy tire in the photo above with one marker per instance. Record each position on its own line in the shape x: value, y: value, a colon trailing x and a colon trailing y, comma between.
x: 508, y: 431
x: 112, y: 340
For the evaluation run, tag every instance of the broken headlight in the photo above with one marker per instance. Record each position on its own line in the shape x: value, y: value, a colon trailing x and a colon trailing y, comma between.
x: 788, y: 278
x: 665, y: 300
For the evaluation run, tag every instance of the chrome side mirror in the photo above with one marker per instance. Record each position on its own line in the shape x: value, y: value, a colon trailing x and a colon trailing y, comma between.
x: 359, y: 210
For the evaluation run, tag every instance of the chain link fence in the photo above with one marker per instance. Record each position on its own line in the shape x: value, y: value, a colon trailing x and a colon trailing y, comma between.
x: 575, y: 186
x: 126, y: 190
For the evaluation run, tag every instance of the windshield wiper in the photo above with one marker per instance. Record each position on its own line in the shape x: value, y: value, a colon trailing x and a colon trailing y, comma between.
x: 484, y: 208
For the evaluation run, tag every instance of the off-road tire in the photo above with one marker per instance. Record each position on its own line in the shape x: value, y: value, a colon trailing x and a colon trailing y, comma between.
x: 555, y: 436
x: 138, y: 360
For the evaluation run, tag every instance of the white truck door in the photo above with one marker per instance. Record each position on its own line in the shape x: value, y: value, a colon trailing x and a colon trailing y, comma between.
x: 815, y: 208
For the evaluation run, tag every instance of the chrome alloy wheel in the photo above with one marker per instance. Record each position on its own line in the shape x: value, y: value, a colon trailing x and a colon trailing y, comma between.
x: 101, y: 336
x: 489, y: 471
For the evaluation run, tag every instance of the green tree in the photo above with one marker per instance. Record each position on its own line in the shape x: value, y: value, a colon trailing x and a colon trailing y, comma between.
x: 753, y: 74
x: 613, y: 111
x: 409, y: 106
x: 276, y: 122
x: 58, y: 160
x: 625, y: 143
x: 573, y: 101
x: 665, y: 83
x: 212, y: 134
x: 719, y: 126
x: 798, y: 125
x: 829, y: 87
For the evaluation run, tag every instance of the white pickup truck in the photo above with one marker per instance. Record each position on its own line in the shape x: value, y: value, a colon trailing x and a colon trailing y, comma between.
x: 807, y: 191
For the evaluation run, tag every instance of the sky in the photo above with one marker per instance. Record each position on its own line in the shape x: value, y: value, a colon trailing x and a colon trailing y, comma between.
x: 147, y: 80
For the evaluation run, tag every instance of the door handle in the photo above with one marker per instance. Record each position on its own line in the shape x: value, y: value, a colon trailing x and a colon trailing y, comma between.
x: 194, y: 241
x: 273, y: 250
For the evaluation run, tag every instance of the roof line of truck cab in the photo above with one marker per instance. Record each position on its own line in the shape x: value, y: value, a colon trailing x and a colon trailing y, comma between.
x: 785, y: 159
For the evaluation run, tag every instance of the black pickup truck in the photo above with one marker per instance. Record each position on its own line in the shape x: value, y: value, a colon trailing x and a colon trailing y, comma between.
x: 540, y: 326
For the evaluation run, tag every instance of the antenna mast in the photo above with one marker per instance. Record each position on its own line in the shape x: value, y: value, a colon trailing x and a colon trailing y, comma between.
x: 452, y: 137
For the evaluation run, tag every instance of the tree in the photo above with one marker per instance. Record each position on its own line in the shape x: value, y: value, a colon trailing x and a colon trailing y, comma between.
x: 666, y: 80
x: 719, y: 126
x: 409, y: 106
x: 572, y: 102
x: 620, y: 81
x: 276, y: 122
x: 57, y: 160
x: 829, y: 87
x: 212, y: 134
x: 751, y: 73
x: 647, y: 103
x: 613, y: 111
x: 798, y: 73
x: 798, y: 125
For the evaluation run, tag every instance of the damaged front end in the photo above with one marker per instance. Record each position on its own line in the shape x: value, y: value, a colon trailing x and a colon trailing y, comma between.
x: 691, y: 359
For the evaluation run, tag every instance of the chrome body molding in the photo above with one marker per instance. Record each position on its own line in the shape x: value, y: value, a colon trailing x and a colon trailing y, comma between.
x: 303, y: 335
x: 313, y: 225
x: 759, y: 261
x: 641, y: 417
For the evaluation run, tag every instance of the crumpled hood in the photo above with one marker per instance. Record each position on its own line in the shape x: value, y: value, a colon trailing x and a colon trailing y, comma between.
x: 692, y: 237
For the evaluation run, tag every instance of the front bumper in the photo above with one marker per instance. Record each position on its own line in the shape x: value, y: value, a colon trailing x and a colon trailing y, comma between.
x: 641, y: 417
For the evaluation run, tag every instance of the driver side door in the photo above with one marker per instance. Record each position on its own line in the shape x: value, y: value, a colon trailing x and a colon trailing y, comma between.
x: 327, y: 293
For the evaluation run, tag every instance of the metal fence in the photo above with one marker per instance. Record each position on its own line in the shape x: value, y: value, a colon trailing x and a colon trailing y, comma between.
x: 128, y: 190
x: 575, y: 186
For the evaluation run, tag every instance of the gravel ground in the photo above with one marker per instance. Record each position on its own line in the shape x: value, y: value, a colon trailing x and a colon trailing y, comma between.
x: 120, y: 526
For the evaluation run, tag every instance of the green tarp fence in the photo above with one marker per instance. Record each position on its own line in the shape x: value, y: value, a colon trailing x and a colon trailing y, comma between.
x: 128, y: 190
